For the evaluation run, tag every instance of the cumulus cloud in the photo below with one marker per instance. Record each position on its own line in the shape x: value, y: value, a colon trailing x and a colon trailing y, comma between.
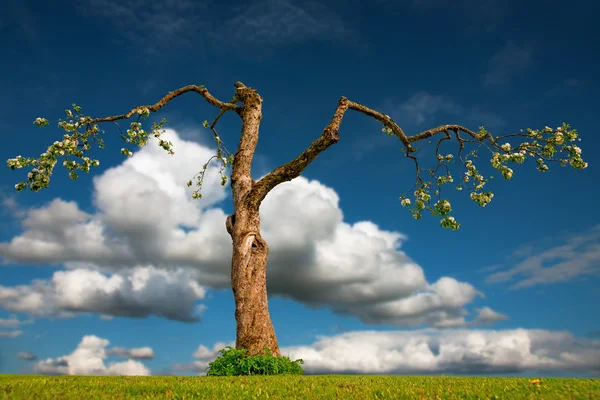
x: 203, y: 356
x: 142, y: 201
x: 578, y: 255
x: 142, y: 353
x: 26, y: 355
x: 449, y: 351
x: 88, y: 359
x: 138, y: 294
x: 151, y: 249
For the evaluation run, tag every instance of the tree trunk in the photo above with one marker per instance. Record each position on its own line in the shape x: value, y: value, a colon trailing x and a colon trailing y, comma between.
x: 254, y: 328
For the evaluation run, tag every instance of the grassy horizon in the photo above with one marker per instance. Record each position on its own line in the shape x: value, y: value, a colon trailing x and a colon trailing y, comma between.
x: 295, y: 387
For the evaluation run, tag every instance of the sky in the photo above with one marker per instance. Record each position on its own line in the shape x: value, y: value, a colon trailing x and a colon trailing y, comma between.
x: 122, y: 273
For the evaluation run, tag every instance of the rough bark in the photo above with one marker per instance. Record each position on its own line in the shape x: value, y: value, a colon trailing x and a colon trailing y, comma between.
x: 254, y: 328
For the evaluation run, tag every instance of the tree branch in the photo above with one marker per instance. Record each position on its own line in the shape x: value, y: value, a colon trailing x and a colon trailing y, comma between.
x: 294, y: 168
x: 330, y: 136
x: 443, y: 128
x: 251, y: 114
x: 170, y: 96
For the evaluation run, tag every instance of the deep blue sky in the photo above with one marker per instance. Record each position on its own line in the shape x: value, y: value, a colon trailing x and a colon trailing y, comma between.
x: 70, y: 252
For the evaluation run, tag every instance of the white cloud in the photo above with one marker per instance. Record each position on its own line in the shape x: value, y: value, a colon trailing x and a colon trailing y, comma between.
x: 26, y: 355
x: 579, y: 256
x: 448, y: 351
x: 10, y: 207
x: 487, y: 315
x: 507, y: 62
x: 203, y: 356
x: 142, y: 353
x: 88, y: 359
x: 12, y: 322
x: 10, y: 334
x: 139, y: 293
x: 149, y: 237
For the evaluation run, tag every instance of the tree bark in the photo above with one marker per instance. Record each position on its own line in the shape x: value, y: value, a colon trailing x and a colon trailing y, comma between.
x: 254, y: 328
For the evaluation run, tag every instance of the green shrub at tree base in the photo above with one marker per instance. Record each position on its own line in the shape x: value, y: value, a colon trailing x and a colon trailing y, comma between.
x: 234, y: 362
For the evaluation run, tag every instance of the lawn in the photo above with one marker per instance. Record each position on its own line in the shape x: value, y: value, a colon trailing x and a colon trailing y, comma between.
x: 294, y: 387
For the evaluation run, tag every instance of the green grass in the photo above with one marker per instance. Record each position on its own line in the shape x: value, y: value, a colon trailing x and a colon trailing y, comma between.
x: 294, y: 387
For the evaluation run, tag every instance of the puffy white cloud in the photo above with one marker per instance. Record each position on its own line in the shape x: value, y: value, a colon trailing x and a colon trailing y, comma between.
x: 148, y: 224
x: 139, y: 293
x: 142, y: 353
x: 60, y: 232
x: 436, y: 351
x: 35, y: 299
x: 203, y: 356
x: 88, y: 359
x: 26, y: 355
x: 449, y: 351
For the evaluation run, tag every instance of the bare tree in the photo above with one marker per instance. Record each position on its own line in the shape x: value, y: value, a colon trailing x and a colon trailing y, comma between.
x: 250, y: 251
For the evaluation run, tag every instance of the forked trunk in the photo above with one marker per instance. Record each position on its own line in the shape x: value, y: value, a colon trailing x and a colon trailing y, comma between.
x: 254, y: 329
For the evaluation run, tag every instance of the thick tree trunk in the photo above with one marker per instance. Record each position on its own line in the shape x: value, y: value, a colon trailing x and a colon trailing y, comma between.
x: 254, y: 328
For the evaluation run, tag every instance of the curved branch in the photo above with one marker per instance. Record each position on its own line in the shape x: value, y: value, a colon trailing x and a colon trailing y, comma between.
x: 170, y: 96
x: 385, y: 120
x: 330, y: 136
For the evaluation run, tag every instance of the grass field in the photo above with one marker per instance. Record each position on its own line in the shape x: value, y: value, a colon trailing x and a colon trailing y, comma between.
x: 294, y: 387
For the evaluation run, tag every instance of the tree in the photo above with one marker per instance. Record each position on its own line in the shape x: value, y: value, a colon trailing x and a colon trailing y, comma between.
x: 250, y: 252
